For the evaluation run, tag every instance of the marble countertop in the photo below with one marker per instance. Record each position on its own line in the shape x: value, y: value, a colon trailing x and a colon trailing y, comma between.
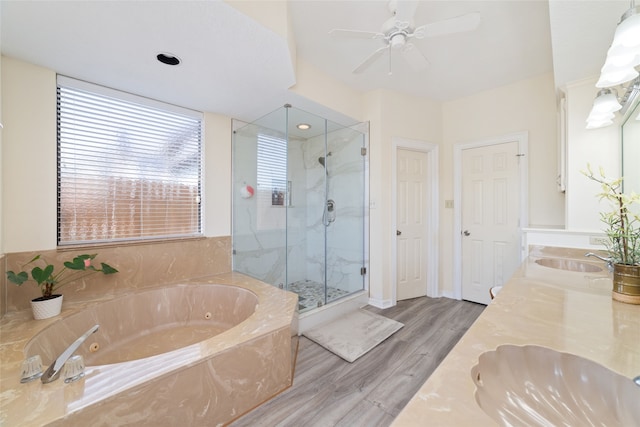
x: 567, y: 311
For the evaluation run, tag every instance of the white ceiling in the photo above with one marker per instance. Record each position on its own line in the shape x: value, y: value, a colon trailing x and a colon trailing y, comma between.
x: 234, y: 66
x: 512, y: 42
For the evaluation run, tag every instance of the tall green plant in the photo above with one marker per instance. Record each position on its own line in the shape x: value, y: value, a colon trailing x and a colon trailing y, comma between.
x: 623, y: 225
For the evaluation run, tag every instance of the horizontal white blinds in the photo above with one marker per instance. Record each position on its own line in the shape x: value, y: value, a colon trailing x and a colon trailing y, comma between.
x: 271, y: 168
x: 126, y: 170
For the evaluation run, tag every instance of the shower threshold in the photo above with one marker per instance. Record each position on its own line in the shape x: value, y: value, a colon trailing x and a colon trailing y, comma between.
x: 311, y: 294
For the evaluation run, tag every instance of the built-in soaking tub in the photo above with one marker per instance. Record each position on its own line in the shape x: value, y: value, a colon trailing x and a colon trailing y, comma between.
x: 200, y: 353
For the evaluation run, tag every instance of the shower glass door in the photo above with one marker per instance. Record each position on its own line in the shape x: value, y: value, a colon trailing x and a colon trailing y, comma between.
x: 302, y: 227
x: 345, y: 212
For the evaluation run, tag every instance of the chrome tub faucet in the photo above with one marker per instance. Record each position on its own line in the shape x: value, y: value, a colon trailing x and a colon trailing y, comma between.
x: 53, y: 372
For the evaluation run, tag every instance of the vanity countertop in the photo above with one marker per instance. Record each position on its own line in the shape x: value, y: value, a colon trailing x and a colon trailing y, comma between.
x: 568, y: 311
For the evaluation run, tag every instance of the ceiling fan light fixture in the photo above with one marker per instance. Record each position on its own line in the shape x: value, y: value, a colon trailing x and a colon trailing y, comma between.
x: 398, y: 31
x: 396, y: 41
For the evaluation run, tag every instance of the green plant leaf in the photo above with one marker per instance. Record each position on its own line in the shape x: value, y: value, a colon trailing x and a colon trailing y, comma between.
x: 40, y: 275
x: 19, y: 278
x: 107, y: 269
x: 78, y: 262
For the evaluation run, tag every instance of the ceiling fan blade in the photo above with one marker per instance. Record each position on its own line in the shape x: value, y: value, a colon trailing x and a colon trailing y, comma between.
x: 356, y: 34
x: 370, y: 60
x: 459, y: 24
x: 414, y: 57
x: 405, y: 9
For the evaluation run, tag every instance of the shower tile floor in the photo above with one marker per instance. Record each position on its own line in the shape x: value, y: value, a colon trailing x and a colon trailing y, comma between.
x: 311, y: 293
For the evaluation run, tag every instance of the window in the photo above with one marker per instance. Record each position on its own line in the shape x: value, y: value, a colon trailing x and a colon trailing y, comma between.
x: 273, y: 188
x: 272, y: 168
x: 129, y: 168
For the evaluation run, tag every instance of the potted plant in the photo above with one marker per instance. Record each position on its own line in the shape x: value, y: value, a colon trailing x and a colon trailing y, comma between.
x: 50, y: 304
x: 623, y: 236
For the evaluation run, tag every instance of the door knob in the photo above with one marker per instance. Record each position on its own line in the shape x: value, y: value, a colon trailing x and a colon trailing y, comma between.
x: 398, y: 232
x: 466, y: 233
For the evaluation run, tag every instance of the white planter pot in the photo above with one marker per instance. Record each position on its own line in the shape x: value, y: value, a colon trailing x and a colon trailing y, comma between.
x: 46, y: 308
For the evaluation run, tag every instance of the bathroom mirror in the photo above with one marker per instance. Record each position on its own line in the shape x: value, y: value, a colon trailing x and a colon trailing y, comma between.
x: 631, y: 149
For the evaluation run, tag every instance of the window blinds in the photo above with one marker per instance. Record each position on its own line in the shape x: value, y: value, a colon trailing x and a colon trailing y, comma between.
x: 127, y: 168
x: 272, y: 167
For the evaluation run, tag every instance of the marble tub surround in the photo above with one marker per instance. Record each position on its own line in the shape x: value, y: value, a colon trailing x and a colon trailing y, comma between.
x: 140, y: 266
x: 208, y: 383
x: 538, y: 306
x: 3, y: 280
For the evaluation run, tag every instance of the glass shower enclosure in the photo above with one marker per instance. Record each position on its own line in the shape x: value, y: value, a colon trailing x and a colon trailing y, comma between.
x: 299, y: 205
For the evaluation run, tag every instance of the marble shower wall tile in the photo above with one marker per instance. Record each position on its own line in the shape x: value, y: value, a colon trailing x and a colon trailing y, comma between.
x: 139, y: 265
x: 345, y: 185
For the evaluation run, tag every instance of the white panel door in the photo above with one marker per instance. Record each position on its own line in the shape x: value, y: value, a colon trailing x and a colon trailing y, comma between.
x: 411, y: 231
x: 490, y: 218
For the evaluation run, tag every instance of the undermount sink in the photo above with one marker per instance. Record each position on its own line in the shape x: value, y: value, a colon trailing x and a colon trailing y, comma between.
x: 538, y: 386
x: 568, y: 264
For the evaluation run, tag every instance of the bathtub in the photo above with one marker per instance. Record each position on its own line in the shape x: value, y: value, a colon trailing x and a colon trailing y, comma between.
x: 197, y: 353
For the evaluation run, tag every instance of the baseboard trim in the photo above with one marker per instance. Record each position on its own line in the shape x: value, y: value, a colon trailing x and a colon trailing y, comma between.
x: 381, y: 303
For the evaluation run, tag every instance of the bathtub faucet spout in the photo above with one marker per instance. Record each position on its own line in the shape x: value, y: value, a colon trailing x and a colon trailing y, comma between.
x: 53, y: 372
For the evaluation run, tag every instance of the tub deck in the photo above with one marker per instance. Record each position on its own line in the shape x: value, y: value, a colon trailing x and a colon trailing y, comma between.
x: 207, y: 383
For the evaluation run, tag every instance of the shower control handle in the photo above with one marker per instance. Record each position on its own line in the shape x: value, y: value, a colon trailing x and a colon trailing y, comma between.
x: 398, y: 232
x: 330, y: 205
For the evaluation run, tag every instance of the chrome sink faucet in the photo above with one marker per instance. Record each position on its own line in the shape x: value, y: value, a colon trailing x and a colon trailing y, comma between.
x: 53, y: 372
x: 609, y: 261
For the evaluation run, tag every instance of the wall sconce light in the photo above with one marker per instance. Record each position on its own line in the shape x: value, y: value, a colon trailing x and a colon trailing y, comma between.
x: 623, y: 57
x: 603, y: 111
x: 624, y: 54
x: 607, y: 104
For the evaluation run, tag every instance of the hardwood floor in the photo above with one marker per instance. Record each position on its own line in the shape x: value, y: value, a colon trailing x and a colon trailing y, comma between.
x: 328, y: 391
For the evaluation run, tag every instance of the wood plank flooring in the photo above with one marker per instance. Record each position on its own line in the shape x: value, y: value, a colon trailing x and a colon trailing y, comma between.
x: 328, y: 391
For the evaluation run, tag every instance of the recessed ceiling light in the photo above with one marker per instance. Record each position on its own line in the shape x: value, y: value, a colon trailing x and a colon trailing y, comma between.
x: 304, y: 126
x: 167, y: 58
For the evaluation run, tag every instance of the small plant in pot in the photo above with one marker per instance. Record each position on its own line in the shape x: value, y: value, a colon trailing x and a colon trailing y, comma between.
x: 50, y: 304
x: 623, y: 236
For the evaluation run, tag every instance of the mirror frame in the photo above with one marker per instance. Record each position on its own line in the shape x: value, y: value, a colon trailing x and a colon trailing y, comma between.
x: 630, y: 148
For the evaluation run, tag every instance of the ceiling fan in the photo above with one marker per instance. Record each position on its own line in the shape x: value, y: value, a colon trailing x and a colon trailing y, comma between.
x: 397, y: 32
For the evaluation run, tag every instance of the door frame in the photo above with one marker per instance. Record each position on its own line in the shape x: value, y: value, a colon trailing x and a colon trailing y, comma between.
x: 431, y: 224
x: 522, y: 138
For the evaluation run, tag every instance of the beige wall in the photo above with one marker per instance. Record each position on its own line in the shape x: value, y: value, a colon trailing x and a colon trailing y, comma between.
x: 392, y: 115
x: 29, y: 156
x: 316, y: 86
x: 528, y: 105
x: 598, y: 147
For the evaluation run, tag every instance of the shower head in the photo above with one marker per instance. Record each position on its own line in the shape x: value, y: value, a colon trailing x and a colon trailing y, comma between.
x: 322, y: 158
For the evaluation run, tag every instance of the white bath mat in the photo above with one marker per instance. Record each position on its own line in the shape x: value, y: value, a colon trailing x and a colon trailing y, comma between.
x: 353, y: 334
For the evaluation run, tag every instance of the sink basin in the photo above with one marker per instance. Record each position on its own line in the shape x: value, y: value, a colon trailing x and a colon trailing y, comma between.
x: 537, y: 386
x: 568, y: 264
